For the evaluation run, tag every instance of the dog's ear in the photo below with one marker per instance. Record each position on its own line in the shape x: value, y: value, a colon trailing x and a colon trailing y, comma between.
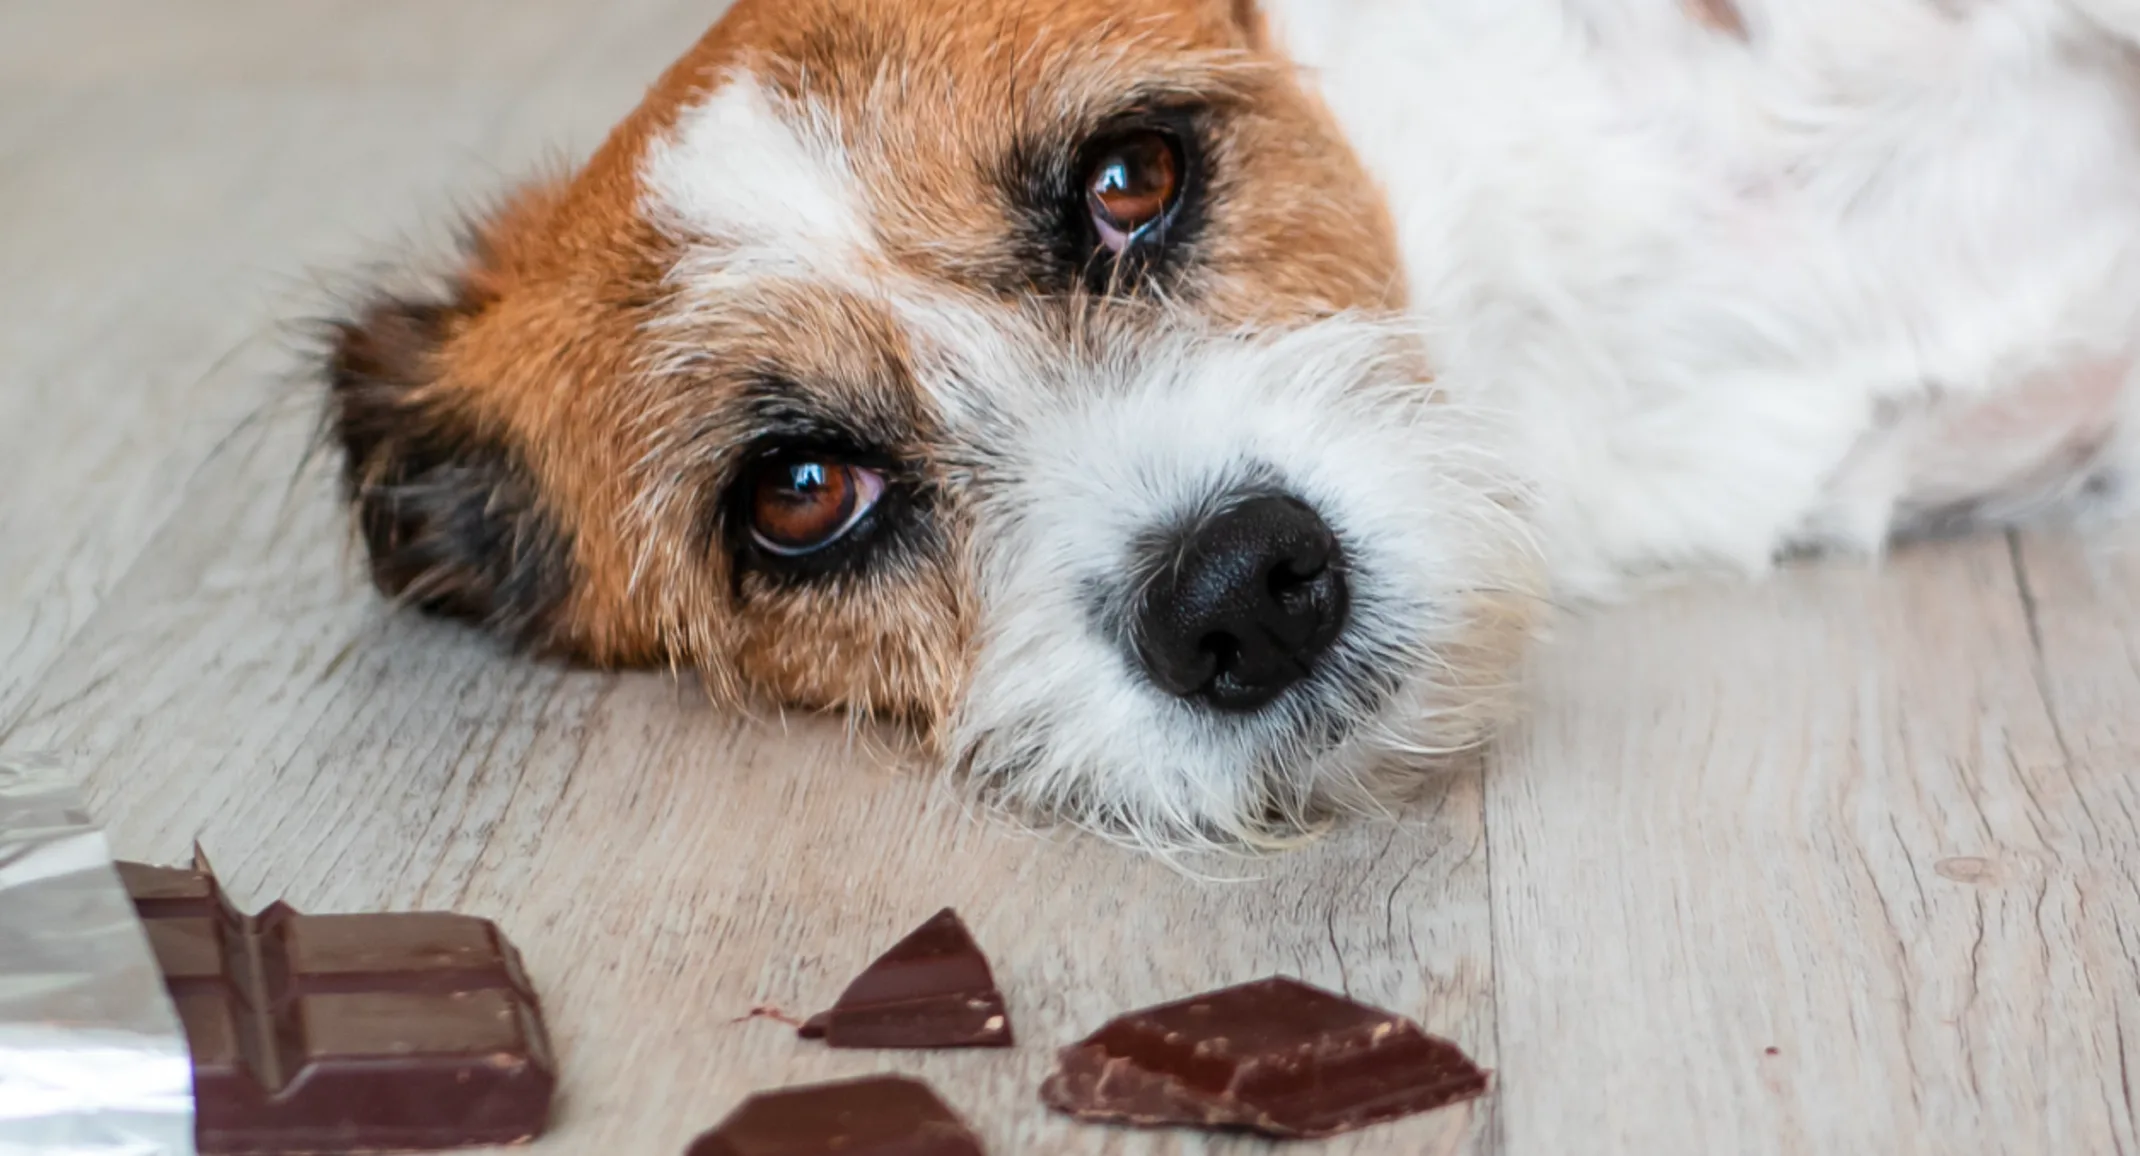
x: 453, y: 518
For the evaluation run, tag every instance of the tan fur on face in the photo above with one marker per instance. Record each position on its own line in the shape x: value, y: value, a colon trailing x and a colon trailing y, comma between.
x: 625, y: 405
x: 930, y: 98
x: 888, y: 642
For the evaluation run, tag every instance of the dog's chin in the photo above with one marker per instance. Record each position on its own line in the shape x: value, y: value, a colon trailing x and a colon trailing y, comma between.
x: 1365, y: 730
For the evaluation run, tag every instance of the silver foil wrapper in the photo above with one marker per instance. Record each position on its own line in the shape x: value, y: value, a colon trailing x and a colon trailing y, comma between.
x: 93, y: 1061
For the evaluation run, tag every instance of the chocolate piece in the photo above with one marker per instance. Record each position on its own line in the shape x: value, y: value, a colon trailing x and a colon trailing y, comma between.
x: 874, y: 1116
x: 931, y: 990
x: 346, y: 1033
x: 1276, y: 1057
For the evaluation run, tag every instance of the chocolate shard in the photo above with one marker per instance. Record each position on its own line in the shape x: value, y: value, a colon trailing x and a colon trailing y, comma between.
x: 874, y: 1116
x: 933, y: 989
x: 346, y: 1033
x: 1277, y: 1057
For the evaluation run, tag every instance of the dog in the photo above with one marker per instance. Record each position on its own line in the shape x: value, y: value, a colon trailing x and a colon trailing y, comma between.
x: 1180, y: 413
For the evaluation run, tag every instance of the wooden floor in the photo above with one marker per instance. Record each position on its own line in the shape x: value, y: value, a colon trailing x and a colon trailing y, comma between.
x: 1846, y: 863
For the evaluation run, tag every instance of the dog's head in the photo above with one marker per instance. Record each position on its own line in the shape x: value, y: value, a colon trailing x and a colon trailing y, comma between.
x: 1031, y: 372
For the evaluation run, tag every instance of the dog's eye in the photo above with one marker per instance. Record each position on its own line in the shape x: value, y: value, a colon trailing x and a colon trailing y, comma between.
x: 802, y: 505
x: 1132, y: 183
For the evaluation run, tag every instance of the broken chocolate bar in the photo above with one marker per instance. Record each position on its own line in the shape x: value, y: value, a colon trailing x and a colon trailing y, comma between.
x: 1277, y: 1057
x: 931, y: 990
x: 346, y: 1033
x: 874, y: 1116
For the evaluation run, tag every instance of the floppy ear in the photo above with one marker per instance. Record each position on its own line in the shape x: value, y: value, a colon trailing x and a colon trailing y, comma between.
x: 451, y: 515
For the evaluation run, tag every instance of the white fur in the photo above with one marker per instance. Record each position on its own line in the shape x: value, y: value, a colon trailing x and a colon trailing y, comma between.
x: 756, y: 190
x: 1072, y: 461
x: 1704, y: 273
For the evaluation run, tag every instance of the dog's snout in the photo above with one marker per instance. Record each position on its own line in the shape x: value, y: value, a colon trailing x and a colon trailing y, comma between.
x: 1242, y: 604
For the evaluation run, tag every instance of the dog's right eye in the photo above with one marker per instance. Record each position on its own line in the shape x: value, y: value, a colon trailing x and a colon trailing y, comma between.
x: 1132, y: 201
x: 801, y: 505
x: 1131, y: 185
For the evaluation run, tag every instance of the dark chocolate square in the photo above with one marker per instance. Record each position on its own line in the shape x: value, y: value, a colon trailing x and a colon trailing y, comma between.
x: 347, y: 1033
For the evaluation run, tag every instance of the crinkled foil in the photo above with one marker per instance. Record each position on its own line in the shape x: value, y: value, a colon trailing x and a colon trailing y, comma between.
x: 93, y: 1061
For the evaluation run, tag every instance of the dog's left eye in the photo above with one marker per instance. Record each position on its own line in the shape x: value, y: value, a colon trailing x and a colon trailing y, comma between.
x: 802, y: 505
x: 1131, y: 185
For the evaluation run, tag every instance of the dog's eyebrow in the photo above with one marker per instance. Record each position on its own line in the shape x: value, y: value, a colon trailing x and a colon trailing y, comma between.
x: 1047, y: 142
x: 1090, y: 93
x: 778, y: 406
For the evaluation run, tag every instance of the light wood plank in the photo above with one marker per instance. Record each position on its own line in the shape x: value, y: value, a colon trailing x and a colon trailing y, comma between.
x: 2083, y: 598
x: 162, y: 224
x: 1832, y: 817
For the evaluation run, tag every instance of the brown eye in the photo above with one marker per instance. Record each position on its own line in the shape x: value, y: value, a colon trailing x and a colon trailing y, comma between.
x: 802, y: 505
x: 1132, y: 185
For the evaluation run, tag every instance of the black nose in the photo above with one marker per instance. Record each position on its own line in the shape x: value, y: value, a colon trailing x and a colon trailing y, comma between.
x: 1243, y: 604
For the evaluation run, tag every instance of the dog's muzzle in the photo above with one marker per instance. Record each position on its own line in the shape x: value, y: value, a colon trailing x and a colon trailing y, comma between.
x: 1241, y: 605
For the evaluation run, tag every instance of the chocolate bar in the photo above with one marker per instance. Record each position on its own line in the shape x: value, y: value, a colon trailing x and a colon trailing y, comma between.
x: 346, y: 1033
x: 874, y: 1116
x: 1277, y: 1057
x: 933, y: 989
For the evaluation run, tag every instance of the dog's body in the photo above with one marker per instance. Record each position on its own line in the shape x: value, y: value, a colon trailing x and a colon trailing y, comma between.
x: 1168, y: 406
x: 1807, y: 275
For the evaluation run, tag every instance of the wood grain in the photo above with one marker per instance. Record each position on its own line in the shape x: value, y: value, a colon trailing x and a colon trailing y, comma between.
x: 176, y: 179
x: 1881, y: 822
x: 1834, y: 818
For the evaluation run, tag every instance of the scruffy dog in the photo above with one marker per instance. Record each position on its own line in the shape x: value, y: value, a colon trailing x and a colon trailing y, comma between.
x: 1179, y: 410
